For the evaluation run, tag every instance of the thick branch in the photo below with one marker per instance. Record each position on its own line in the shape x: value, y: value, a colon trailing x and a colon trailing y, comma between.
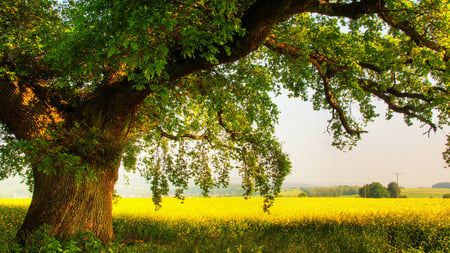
x: 24, y: 111
x: 257, y: 21
x: 409, y: 95
x: 410, y: 31
x: 366, y: 65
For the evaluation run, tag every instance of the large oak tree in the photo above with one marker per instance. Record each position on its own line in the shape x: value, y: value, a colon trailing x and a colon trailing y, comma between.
x: 181, y: 91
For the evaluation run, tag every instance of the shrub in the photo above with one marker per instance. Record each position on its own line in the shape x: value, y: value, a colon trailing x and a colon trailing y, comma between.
x: 302, y: 195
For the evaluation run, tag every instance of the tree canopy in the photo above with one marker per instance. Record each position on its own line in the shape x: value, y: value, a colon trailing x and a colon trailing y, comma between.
x: 182, y: 90
x: 394, y: 190
x: 373, y: 190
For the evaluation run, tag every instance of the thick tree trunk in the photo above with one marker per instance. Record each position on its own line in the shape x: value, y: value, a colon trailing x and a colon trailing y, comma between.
x: 73, y: 198
x: 71, y: 206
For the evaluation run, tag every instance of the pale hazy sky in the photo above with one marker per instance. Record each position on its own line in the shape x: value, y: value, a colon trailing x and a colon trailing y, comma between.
x: 390, y: 146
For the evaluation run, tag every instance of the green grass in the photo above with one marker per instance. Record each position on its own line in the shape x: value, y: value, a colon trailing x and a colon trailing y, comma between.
x: 252, y: 236
x: 424, y: 192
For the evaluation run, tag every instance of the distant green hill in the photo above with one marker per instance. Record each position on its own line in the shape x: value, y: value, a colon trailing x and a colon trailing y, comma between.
x: 442, y: 185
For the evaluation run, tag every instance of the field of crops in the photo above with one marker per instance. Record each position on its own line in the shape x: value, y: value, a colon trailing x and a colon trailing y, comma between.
x: 424, y: 192
x: 294, y: 225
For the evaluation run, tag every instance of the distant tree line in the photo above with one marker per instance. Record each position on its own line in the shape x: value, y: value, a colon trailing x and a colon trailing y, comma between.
x: 372, y: 190
x: 316, y: 191
x: 332, y: 191
x: 442, y: 185
x: 231, y: 191
x: 377, y: 190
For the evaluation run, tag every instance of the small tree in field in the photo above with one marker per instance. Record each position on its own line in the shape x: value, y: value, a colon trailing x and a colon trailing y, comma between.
x: 393, y: 189
x: 181, y: 91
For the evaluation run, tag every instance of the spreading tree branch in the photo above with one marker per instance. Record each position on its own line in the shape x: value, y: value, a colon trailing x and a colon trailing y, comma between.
x: 258, y: 21
x: 408, y: 110
x: 326, y: 77
x: 333, y: 67
x: 316, y: 60
x: 409, y: 30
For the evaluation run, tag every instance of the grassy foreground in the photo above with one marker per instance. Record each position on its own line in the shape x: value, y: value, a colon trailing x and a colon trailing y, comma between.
x: 294, y: 225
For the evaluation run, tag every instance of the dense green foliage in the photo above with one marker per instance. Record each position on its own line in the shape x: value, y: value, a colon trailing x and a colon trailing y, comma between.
x: 373, y: 190
x: 442, y: 185
x: 394, y: 190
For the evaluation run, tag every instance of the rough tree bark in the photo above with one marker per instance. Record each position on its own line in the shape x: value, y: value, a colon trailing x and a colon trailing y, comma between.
x: 70, y: 207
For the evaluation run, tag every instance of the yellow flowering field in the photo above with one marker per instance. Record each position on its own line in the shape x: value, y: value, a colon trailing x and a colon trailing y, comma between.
x: 289, y: 209
x: 293, y: 225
